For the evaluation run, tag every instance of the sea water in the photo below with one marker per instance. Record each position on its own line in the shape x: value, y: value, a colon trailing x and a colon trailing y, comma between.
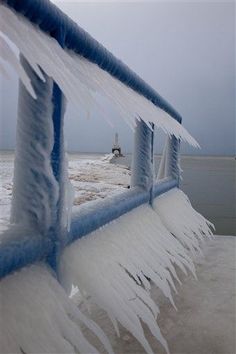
x: 210, y: 183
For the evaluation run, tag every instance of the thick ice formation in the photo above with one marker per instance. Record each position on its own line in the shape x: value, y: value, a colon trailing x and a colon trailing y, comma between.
x: 80, y: 80
x: 35, y: 189
x: 8, y: 55
x: 179, y: 217
x: 38, y: 317
x: 170, y: 161
x: 112, y: 265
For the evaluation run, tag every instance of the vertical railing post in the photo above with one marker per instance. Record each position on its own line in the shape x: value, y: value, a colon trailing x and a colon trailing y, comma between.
x: 174, y: 158
x: 35, y: 190
x: 39, y: 175
x: 58, y: 231
x: 152, y: 163
x: 142, y: 160
x: 169, y: 164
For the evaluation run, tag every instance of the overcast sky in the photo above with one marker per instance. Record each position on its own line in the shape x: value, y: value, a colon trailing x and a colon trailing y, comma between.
x: 185, y: 50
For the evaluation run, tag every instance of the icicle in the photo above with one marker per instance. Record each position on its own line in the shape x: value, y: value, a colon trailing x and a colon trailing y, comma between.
x: 179, y: 217
x: 112, y: 266
x: 38, y: 317
x: 7, y: 54
x: 80, y: 80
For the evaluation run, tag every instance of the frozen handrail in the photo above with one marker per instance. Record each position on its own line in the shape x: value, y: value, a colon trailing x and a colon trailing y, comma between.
x: 40, y: 154
x: 53, y: 21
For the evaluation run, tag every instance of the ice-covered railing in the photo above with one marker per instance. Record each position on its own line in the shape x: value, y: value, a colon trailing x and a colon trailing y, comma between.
x: 131, y: 238
x: 60, y: 60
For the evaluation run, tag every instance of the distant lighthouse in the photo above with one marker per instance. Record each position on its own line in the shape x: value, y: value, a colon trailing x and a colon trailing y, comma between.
x: 116, y: 149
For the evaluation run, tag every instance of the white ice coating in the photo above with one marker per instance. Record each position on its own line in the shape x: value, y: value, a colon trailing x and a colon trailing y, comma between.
x: 35, y: 189
x: 8, y: 56
x: 170, y: 162
x: 112, y: 265
x: 69, y: 196
x: 179, y: 217
x: 81, y: 81
x: 38, y: 317
x: 164, y: 167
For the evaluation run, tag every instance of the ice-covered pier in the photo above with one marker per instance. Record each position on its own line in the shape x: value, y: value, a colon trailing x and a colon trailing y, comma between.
x: 113, y: 251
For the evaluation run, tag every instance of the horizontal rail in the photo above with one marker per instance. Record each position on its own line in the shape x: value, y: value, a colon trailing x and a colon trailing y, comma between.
x: 88, y: 220
x: 21, y: 250
x: 26, y: 247
x: 164, y: 186
x: 51, y: 20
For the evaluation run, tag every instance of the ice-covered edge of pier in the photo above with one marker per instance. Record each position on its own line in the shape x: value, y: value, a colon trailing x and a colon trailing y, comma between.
x: 114, y: 264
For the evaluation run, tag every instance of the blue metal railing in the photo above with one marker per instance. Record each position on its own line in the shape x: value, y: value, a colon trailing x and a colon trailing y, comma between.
x: 25, y: 247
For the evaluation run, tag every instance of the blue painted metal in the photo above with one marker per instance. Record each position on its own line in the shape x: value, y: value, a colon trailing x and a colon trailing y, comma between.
x: 28, y: 248
x: 33, y: 189
x: 152, y: 164
x: 57, y: 233
x: 164, y: 186
x: 50, y: 19
x: 142, y: 159
x: 174, y: 159
x: 86, y: 220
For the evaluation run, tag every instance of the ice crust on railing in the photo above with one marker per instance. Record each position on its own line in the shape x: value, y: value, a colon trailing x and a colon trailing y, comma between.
x: 35, y: 189
x: 170, y: 162
x: 8, y: 55
x: 179, y: 217
x: 142, y: 157
x: 38, y: 317
x: 81, y: 81
x: 112, y: 265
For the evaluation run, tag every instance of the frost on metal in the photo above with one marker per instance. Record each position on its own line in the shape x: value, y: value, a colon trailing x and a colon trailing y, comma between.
x: 8, y: 56
x: 35, y: 190
x: 179, y: 217
x: 81, y: 81
x: 164, y: 170
x: 170, y: 161
x: 113, y: 265
x: 142, y: 157
x: 38, y: 317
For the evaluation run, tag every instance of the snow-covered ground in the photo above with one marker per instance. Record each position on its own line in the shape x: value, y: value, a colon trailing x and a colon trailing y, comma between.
x: 92, y: 175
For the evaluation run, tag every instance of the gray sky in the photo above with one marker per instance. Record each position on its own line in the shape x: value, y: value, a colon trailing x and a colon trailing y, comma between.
x: 185, y: 50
